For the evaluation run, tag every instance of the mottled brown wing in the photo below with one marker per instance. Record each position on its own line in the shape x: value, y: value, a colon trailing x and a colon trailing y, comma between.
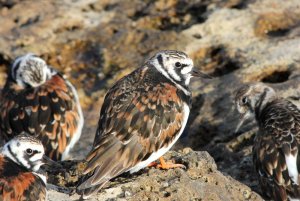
x: 277, y: 138
x: 15, y: 184
x: 26, y: 186
x: 137, y: 118
x: 48, y: 111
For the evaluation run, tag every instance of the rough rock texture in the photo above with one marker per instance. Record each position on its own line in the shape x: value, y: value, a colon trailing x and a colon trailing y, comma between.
x: 200, y: 181
x: 96, y: 42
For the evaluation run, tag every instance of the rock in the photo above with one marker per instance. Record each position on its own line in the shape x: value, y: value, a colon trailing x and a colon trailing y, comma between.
x: 233, y: 50
x: 200, y: 181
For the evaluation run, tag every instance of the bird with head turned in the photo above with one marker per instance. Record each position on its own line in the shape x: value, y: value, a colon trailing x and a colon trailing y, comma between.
x: 142, y: 117
x: 250, y: 99
x: 39, y: 100
x: 276, y: 145
x: 30, y: 70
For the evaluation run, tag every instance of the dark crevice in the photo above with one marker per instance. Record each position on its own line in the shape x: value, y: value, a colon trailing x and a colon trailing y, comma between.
x: 4, y: 61
x: 197, y: 36
x: 73, y: 28
x: 93, y: 58
x: 277, y: 77
x: 243, y: 4
x: 30, y: 21
x: 16, y: 20
x: 110, y: 7
x: 139, y: 14
x: 185, y: 15
x: 278, y: 33
x: 9, y: 4
x: 92, y: 7
x: 197, y: 13
x: 142, y: 12
x: 226, y: 67
x: 225, y: 64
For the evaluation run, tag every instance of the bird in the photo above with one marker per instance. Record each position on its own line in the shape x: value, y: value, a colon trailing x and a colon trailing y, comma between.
x: 141, y: 118
x: 276, y: 144
x: 20, y: 161
x: 38, y: 100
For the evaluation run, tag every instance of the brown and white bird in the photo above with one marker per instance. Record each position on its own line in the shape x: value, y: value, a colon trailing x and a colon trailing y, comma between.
x: 276, y: 146
x: 20, y: 160
x: 142, y: 116
x: 38, y: 100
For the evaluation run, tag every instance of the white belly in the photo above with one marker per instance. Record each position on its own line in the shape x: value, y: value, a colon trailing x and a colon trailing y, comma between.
x: 291, y: 163
x: 156, y: 155
x: 77, y: 134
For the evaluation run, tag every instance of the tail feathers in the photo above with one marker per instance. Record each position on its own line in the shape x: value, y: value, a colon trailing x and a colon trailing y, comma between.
x: 88, y: 192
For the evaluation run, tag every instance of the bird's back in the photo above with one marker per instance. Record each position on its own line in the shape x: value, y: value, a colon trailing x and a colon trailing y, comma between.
x: 50, y: 111
x: 276, y: 149
x: 142, y: 113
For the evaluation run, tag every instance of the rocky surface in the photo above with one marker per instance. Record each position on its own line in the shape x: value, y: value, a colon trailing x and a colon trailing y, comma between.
x: 96, y: 42
x: 199, y: 181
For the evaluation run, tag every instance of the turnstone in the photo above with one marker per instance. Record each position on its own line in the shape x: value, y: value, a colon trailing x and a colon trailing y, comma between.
x: 141, y: 118
x: 38, y: 100
x: 20, y: 160
x: 275, y: 150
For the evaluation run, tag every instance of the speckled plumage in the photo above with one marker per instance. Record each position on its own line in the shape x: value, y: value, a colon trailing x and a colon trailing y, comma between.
x: 275, y: 150
x: 20, y: 160
x: 45, y: 105
x: 17, y: 183
x: 142, y: 116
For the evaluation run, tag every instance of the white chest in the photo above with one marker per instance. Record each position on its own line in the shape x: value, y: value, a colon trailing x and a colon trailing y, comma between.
x: 156, y: 155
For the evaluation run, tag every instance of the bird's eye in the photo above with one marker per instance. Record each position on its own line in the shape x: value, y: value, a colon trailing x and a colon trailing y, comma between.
x: 245, y: 100
x: 29, y: 151
x: 178, y: 64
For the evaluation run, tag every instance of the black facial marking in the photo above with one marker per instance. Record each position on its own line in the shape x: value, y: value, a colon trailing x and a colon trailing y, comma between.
x: 184, y: 65
x: 175, y: 53
x: 260, y: 101
x: 160, y: 60
x: 14, y: 169
x: 16, y: 69
x: 26, y: 85
x: 34, y: 55
x: 14, y: 155
x: 36, y: 75
x: 182, y: 79
x: 248, y: 104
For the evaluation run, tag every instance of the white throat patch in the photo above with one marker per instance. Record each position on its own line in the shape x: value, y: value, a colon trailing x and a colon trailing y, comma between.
x: 162, y: 71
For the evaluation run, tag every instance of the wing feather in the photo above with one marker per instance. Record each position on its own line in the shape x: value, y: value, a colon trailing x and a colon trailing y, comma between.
x: 16, y: 184
x: 135, y: 121
x: 278, y: 141
x: 50, y: 111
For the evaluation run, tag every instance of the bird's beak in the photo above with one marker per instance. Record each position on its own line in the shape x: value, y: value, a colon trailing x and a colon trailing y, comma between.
x: 197, y: 73
x: 46, y: 160
x: 243, y: 118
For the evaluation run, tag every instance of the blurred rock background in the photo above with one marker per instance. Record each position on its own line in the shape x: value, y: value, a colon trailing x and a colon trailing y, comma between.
x: 96, y: 42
